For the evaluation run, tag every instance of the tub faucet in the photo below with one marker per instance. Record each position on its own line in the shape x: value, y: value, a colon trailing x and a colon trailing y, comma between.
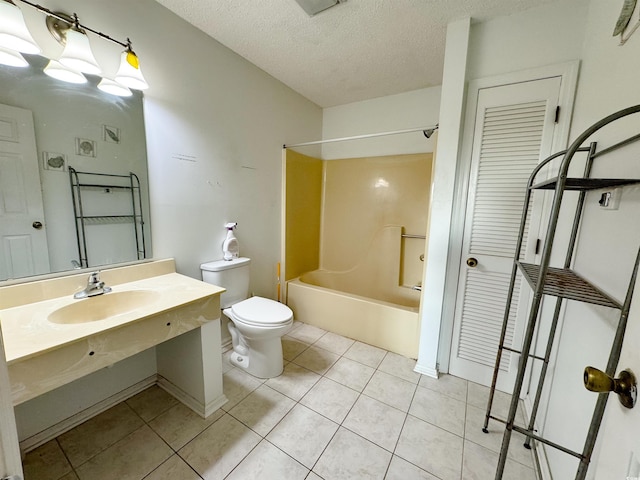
x: 94, y: 287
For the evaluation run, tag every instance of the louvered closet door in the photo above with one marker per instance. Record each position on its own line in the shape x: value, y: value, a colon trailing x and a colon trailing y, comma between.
x: 513, y: 131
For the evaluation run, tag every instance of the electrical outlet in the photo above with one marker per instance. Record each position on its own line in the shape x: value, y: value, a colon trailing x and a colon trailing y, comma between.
x: 610, y: 200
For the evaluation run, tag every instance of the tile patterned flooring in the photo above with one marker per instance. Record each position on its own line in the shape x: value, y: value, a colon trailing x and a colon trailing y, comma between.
x: 340, y: 410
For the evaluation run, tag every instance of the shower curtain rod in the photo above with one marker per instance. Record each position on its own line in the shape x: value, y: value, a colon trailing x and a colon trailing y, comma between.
x: 368, y: 135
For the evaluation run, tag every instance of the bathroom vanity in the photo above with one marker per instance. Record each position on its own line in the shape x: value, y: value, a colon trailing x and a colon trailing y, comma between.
x: 52, y: 339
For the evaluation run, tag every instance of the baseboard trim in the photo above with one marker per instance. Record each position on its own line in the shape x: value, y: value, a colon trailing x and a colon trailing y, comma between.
x: 428, y: 371
x: 67, y: 424
x: 197, y: 406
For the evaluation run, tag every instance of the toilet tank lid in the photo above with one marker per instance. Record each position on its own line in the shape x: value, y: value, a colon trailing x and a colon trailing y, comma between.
x: 220, y: 265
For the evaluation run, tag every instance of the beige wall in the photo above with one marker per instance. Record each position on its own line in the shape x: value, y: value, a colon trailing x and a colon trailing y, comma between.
x: 303, y: 199
x: 362, y: 195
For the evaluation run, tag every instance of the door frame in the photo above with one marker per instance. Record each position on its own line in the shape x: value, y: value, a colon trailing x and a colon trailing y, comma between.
x: 568, y: 72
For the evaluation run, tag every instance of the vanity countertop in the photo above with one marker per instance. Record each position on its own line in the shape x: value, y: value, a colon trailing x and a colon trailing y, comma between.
x: 27, y: 332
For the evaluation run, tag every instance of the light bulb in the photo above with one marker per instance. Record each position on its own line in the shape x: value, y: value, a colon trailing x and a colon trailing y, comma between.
x: 61, y: 72
x: 114, y: 88
x: 12, y: 58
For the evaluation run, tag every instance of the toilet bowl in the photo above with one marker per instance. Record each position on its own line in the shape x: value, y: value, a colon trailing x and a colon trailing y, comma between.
x: 256, y: 324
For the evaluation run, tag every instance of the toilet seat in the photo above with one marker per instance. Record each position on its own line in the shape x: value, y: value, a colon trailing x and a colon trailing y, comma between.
x: 258, y: 311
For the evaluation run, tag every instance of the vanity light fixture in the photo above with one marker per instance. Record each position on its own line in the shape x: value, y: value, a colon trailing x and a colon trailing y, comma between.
x: 14, y: 34
x: 77, y: 52
x: 76, y: 58
x: 12, y: 58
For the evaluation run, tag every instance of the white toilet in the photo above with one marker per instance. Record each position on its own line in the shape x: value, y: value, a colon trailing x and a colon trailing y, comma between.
x: 257, y: 324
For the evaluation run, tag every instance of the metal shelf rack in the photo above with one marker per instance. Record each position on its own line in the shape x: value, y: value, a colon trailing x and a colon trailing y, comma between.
x: 561, y: 283
x: 105, y: 182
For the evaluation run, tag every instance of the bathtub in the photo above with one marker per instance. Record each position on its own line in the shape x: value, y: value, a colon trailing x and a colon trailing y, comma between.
x: 356, y: 308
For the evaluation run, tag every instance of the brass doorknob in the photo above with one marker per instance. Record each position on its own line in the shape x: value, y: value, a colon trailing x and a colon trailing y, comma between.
x: 472, y: 262
x: 625, y: 386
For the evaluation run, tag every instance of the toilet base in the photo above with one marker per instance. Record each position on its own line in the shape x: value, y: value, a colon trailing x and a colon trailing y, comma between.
x: 260, y: 358
x: 239, y: 360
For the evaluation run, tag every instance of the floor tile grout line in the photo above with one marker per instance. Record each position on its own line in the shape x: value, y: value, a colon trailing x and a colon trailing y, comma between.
x: 106, y: 447
x: 266, y: 440
x: 464, y: 434
x: 287, y: 454
x: 244, y: 458
x: 297, y: 402
x: 443, y: 393
x: 166, y: 460
x: 498, y: 453
x: 341, y: 424
x: 341, y: 355
x: 395, y: 447
x: 66, y: 458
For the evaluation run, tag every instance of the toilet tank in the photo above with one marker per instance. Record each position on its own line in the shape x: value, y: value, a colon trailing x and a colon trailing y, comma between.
x: 233, y: 275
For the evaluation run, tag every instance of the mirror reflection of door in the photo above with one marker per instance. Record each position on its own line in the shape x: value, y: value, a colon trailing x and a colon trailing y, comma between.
x: 23, y: 249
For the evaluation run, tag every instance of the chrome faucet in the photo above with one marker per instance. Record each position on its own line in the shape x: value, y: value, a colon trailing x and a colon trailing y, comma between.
x: 94, y: 287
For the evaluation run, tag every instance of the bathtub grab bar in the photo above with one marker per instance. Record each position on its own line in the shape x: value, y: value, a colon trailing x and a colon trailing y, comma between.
x: 408, y: 235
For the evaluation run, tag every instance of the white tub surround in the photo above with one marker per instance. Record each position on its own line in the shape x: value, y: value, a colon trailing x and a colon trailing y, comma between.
x: 150, y: 304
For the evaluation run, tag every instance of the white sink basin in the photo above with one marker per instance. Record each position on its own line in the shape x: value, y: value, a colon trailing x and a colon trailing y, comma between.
x: 101, y: 307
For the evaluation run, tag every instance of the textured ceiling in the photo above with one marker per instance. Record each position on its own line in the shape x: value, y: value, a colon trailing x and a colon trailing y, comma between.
x: 357, y: 50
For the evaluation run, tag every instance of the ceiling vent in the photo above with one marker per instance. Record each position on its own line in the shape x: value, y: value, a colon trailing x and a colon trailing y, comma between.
x: 313, y: 7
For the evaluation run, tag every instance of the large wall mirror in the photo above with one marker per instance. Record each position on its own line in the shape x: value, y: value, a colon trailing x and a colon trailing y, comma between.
x: 49, y: 129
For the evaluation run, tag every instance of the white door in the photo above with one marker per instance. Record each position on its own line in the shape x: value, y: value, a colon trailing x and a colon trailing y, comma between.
x: 23, y: 240
x: 514, y: 127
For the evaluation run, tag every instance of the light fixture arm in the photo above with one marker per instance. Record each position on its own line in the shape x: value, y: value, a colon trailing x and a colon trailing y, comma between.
x: 76, y: 23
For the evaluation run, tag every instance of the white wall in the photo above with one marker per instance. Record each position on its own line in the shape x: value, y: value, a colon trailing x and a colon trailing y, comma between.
x: 215, y: 126
x: 415, y: 109
x: 541, y: 36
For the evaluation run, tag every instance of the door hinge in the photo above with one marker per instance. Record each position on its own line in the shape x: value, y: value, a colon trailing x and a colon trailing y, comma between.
x: 538, y: 242
x: 557, y: 117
